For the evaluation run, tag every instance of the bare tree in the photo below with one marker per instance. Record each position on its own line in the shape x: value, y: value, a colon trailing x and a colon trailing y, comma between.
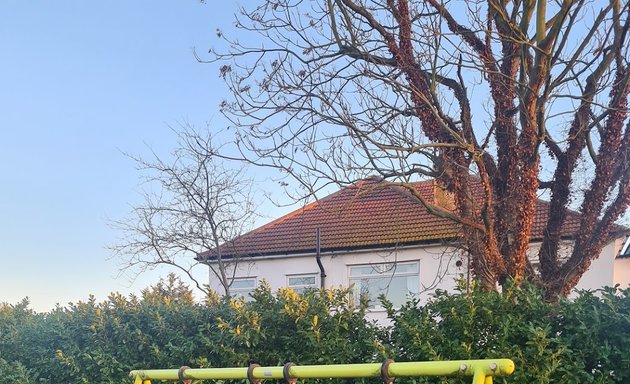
x: 524, y: 98
x: 194, y: 205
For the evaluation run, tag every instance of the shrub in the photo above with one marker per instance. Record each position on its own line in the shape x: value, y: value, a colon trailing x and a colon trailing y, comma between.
x: 92, y: 342
x: 318, y: 327
x: 13, y: 373
x: 585, y: 340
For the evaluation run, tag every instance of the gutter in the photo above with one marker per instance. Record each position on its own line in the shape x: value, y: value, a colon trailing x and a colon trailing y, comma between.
x: 333, y: 252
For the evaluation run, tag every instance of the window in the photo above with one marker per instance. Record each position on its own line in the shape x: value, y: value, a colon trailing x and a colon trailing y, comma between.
x: 397, y: 281
x: 242, y: 287
x: 301, y: 283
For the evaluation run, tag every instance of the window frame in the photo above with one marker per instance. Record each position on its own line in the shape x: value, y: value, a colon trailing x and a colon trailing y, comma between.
x: 300, y: 288
x: 243, y: 292
x: 383, y: 270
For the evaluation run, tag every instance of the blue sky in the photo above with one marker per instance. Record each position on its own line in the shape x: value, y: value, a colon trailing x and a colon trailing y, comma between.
x: 81, y: 82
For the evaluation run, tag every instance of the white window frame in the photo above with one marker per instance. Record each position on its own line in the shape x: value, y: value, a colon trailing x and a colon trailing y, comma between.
x: 380, y: 271
x: 300, y: 288
x: 244, y: 292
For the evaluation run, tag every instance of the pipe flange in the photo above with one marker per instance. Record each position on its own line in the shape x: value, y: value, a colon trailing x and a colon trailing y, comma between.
x: 387, y: 378
x: 285, y: 374
x: 250, y: 374
x: 180, y: 374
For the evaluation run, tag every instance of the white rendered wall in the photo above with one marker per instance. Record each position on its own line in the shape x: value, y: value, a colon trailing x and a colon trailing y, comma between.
x: 622, y: 272
x: 437, y: 268
x: 600, y: 273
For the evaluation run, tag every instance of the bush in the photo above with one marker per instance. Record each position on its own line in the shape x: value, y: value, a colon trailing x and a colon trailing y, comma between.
x: 92, y: 342
x: 318, y: 327
x: 13, y: 373
x: 596, y: 328
x: 585, y: 340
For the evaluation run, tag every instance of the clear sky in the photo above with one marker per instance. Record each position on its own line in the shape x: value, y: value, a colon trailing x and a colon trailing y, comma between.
x: 81, y: 82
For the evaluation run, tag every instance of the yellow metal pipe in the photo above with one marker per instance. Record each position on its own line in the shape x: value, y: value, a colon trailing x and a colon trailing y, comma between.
x: 479, y: 369
x: 209, y: 373
x: 479, y: 377
x: 335, y: 371
x: 496, y: 367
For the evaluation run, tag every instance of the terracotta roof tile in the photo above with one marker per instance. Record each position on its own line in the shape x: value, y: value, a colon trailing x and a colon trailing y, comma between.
x: 363, y: 216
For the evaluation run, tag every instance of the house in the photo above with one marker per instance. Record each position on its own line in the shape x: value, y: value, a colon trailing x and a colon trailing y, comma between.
x: 379, y: 240
x: 621, y: 273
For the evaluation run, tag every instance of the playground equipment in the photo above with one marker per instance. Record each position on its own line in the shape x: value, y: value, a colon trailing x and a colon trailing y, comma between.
x: 482, y: 371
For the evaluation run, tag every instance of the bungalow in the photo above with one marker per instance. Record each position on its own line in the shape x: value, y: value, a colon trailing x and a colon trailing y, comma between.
x: 380, y: 241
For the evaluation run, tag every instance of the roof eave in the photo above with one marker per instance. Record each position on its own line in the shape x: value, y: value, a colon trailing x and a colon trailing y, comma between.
x: 337, y: 250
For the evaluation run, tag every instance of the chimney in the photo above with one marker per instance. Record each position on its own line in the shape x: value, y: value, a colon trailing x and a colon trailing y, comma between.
x: 441, y: 197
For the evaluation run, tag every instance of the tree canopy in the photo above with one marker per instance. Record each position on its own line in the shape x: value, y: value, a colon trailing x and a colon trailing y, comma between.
x: 193, y: 202
x: 526, y: 98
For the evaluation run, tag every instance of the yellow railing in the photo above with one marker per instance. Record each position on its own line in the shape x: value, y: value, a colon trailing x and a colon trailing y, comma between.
x: 481, y: 371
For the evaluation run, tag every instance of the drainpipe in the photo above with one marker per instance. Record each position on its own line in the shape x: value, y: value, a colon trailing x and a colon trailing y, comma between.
x: 318, y: 257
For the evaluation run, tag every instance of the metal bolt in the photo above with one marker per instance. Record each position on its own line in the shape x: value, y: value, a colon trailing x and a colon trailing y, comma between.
x: 493, y: 366
x: 463, y: 367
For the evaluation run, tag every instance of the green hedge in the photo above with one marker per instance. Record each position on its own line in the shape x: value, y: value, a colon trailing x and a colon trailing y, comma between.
x: 92, y: 342
x: 586, y: 340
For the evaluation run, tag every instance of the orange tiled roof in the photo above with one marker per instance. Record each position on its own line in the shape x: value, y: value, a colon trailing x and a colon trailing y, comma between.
x: 363, y: 216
